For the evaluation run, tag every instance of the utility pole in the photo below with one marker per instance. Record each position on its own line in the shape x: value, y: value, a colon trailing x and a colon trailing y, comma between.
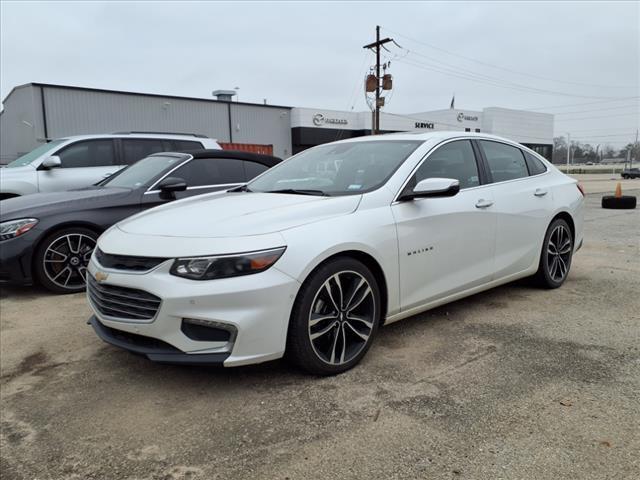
x: 376, y: 46
x: 635, y: 150
x: 568, y: 150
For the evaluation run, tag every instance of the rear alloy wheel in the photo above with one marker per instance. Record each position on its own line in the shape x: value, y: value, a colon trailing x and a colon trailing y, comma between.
x: 62, y: 259
x: 557, y: 252
x: 335, y: 318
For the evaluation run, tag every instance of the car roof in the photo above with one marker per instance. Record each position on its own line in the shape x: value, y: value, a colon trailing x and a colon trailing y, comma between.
x: 168, y: 136
x: 438, y: 135
x: 267, y: 160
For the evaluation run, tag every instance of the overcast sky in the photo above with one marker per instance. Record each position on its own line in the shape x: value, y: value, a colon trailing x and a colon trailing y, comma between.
x: 579, y: 60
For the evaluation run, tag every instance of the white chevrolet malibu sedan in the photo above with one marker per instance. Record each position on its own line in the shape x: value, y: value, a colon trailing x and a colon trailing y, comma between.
x: 312, y: 257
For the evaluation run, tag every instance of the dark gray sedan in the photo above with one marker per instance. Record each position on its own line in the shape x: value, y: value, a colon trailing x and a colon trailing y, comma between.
x: 49, y: 237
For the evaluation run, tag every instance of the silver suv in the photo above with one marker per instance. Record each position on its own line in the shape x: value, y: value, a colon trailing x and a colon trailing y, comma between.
x: 80, y: 161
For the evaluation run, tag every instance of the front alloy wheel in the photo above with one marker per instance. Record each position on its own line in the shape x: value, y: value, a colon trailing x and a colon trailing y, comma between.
x: 62, y: 260
x: 335, y: 317
x: 555, y: 258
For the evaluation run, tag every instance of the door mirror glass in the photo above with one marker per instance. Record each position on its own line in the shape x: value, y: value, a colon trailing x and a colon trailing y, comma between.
x: 434, y: 187
x: 172, y: 184
x: 51, y: 162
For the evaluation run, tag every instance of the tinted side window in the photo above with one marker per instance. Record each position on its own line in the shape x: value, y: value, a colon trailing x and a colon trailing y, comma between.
x: 89, y: 153
x: 536, y: 167
x: 453, y: 160
x: 179, y: 145
x: 253, y: 169
x: 133, y: 149
x: 505, y: 162
x: 211, y: 171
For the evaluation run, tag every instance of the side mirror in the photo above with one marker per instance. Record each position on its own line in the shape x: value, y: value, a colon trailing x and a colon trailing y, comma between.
x: 51, y: 162
x: 433, y: 187
x: 170, y: 185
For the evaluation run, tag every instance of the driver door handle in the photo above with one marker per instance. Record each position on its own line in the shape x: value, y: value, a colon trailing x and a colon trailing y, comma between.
x: 482, y: 203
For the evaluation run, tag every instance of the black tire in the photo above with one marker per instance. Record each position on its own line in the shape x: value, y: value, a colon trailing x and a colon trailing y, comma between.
x: 556, y: 255
x: 625, y: 202
x: 342, y: 345
x: 51, y: 269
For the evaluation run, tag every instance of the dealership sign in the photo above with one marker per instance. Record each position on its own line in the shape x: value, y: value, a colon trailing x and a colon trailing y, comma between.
x: 319, y: 120
x: 424, y: 125
x: 462, y: 116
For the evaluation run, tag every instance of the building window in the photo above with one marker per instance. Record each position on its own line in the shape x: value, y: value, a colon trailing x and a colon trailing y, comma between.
x: 467, y: 129
x: 477, y: 130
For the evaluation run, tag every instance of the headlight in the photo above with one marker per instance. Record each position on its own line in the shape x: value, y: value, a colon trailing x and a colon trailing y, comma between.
x: 15, y: 228
x: 224, y: 266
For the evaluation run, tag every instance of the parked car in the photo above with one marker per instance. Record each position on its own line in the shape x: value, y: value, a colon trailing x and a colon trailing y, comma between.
x: 80, y: 161
x: 311, y: 265
x: 49, y: 237
x: 630, y: 173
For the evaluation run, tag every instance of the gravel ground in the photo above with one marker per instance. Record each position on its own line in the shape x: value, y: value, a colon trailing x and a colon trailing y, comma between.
x: 514, y: 383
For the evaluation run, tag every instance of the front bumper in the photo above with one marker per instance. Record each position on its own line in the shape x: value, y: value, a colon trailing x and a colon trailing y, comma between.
x: 256, y: 306
x: 15, y: 260
x: 156, y: 351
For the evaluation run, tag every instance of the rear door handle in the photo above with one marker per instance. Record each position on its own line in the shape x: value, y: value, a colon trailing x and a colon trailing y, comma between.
x: 483, y: 203
x: 540, y: 192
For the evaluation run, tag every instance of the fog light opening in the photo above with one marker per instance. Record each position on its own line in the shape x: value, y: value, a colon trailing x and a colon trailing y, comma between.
x: 208, y: 330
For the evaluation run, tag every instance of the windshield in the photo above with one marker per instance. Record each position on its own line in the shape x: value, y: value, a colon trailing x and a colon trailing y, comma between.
x: 143, y: 172
x: 27, y: 158
x: 337, y: 169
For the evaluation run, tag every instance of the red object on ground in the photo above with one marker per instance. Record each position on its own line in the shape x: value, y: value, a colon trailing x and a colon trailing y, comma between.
x: 248, y: 147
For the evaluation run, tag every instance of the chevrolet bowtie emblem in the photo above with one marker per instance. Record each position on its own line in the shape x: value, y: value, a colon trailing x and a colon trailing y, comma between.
x: 101, y: 276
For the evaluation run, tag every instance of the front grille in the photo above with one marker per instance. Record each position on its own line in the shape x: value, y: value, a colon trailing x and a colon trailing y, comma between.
x: 122, y: 302
x: 127, y: 262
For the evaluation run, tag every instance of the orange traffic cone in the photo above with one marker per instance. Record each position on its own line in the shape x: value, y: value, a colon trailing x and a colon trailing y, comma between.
x: 618, y: 193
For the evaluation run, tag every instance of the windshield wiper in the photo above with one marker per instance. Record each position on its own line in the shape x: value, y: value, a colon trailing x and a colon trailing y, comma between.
x: 296, y: 191
x: 241, y: 188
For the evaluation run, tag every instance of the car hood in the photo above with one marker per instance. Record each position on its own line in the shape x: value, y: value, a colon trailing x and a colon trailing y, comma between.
x: 39, y: 204
x: 16, y: 171
x: 236, y: 215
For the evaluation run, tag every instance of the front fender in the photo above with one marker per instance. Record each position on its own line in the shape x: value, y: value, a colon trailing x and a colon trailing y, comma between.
x: 372, y: 232
x: 17, y: 187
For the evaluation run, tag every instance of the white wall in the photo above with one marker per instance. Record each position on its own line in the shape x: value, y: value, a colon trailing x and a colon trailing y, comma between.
x: 519, y: 125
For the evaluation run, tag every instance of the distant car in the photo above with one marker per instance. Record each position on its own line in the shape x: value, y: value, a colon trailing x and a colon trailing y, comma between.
x: 589, y: 163
x: 630, y: 173
x: 49, y: 237
x: 80, y: 161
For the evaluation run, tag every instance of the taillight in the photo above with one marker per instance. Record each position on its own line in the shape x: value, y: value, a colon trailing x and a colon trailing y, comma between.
x: 581, y: 188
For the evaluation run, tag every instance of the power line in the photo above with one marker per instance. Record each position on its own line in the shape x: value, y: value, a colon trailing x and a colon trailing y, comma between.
x: 479, y: 79
x: 605, y: 136
x: 579, y: 104
x: 637, y: 107
x: 480, y: 76
x: 505, y: 68
x: 600, y: 116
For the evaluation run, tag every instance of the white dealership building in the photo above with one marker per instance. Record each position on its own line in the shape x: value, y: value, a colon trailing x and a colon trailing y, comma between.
x: 36, y: 112
x: 311, y: 126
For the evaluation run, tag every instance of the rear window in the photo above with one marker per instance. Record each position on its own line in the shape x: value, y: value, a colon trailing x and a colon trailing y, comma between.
x: 180, y: 145
x: 136, y: 148
x: 201, y: 172
x: 536, y: 167
x: 253, y: 169
x: 505, y: 162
